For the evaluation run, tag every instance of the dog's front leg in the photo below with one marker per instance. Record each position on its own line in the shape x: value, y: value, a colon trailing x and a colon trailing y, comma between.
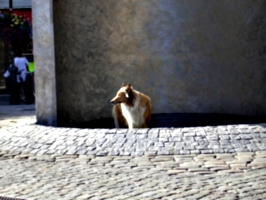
x: 130, y: 126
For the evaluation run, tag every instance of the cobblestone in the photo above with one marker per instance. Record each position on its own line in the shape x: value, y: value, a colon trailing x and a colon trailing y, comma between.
x: 213, y: 162
x: 192, y: 176
x: 39, y: 139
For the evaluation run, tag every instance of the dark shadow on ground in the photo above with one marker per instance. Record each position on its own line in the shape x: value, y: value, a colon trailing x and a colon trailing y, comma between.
x: 178, y: 120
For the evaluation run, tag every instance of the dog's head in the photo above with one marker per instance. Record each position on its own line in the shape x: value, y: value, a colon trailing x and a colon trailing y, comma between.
x: 123, y: 94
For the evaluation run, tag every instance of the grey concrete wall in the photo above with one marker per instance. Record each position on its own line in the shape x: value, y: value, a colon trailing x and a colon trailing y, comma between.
x: 188, y: 56
x: 45, y: 76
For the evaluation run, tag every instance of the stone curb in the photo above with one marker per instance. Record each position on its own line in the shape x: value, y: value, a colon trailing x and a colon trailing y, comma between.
x: 40, y: 140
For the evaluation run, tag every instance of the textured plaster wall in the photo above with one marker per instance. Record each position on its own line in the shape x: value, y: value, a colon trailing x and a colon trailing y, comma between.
x: 188, y: 56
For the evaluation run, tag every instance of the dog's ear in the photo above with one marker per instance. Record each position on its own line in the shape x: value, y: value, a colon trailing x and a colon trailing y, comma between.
x: 128, y: 87
x: 128, y: 90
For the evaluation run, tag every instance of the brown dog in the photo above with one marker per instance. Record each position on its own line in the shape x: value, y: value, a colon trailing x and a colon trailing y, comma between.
x: 131, y: 108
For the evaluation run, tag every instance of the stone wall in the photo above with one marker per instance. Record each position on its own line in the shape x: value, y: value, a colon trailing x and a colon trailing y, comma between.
x: 44, y: 61
x: 188, y: 56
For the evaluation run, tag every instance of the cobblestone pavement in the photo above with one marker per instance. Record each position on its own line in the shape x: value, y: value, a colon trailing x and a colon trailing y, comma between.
x: 221, y: 162
x: 42, y: 140
x: 206, y: 176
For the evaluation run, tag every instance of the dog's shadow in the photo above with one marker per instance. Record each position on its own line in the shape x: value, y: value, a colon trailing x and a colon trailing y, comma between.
x: 179, y: 120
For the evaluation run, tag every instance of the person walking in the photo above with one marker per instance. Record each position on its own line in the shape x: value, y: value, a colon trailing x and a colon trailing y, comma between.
x: 13, y: 86
x: 22, y: 64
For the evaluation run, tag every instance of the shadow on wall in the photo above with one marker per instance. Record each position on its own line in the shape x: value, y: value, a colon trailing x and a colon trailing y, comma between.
x: 178, y: 120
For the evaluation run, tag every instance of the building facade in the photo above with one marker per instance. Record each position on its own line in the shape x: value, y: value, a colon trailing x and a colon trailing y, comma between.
x: 188, y: 56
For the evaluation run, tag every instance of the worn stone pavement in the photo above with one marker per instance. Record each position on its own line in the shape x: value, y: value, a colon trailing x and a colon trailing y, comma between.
x: 221, y: 162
